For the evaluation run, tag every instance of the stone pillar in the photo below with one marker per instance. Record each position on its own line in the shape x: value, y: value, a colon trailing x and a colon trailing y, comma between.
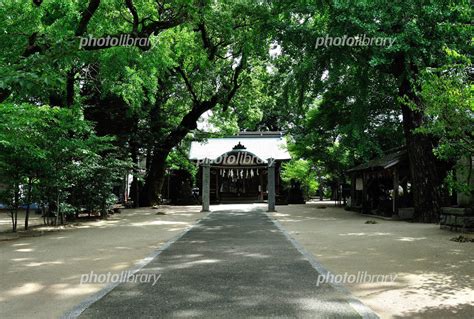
x: 271, y: 185
x: 206, y: 185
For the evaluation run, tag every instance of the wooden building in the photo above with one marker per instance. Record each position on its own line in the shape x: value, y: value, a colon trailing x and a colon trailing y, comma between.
x: 240, y: 169
x: 382, y: 185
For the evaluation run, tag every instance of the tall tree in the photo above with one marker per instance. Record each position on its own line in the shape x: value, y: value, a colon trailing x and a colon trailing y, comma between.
x: 149, y: 96
x: 217, y: 49
x: 422, y: 30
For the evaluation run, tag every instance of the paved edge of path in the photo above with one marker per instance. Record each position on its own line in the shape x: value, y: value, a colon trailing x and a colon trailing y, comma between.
x: 363, y: 310
x: 76, y: 311
x: 355, y: 303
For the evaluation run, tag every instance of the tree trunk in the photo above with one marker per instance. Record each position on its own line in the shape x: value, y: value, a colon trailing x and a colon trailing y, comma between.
x: 15, y: 209
x: 12, y: 215
x: 135, y: 185
x: 155, y: 178
x: 28, y: 200
x: 4, y: 94
x: 320, y: 182
x: 70, y: 88
x: 423, y: 167
x: 156, y: 175
x: 15, y: 219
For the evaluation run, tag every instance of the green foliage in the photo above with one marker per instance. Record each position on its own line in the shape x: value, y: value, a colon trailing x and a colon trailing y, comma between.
x: 302, y: 171
x: 449, y: 107
x: 340, y: 105
x: 178, y: 159
x: 138, y: 95
x: 448, y: 103
x: 56, y: 151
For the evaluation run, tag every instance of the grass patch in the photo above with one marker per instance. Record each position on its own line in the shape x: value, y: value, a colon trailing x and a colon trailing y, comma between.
x: 371, y: 222
x: 462, y: 239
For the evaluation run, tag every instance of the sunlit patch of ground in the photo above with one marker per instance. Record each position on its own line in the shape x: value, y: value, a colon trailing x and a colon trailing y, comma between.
x: 435, y: 276
x: 41, y: 275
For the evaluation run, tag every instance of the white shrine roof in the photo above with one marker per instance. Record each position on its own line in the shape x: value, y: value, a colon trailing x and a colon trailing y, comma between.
x: 263, y: 145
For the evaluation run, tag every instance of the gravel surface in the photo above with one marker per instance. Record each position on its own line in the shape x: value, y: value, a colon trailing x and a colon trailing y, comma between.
x: 233, y: 264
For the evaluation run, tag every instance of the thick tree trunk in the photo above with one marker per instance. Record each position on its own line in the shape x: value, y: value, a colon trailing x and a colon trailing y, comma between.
x: 150, y: 194
x: 423, y: 164
x: 156, y: 174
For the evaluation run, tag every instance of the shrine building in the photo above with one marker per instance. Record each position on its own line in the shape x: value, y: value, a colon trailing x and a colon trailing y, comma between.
x: 240, y: 169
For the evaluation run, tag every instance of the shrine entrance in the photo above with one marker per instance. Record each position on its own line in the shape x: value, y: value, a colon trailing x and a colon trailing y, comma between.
x: 238, y: 185
x: 240, y: 169
x: 238, y: 176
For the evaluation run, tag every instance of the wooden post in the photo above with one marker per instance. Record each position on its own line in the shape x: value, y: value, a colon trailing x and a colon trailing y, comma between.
x: 364, y: 192
x: 353, y: 187
x: 395, y: 190
x: 217, y: 184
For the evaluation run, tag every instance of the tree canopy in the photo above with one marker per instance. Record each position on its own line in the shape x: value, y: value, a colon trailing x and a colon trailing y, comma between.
x: 241, y: 65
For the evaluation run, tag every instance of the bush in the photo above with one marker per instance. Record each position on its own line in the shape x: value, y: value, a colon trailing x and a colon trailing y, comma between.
x: 52, y: 155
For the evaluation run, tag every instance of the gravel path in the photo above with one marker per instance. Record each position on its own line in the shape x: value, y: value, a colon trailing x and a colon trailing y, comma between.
x: 234, y: 264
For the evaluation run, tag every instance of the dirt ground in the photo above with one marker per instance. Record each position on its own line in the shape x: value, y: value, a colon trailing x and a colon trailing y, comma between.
x: 435, y: 276
x: 6, y: 222
x: 40, y: 276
